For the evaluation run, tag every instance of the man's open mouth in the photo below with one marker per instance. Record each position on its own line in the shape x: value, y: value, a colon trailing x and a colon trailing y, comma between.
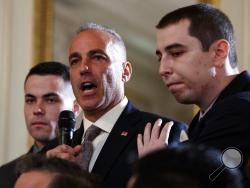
x: 86, y: 86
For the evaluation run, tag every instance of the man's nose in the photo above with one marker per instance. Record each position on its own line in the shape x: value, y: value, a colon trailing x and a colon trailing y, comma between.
x: 39, y: 108
x: 85, y: 66
x: 165, y: 68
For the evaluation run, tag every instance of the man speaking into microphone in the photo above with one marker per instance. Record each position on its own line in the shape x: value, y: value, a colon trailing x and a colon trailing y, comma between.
x: 105, y: 144
x: 47, y: 91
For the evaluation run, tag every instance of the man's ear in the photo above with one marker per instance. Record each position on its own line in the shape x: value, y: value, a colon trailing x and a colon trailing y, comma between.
x: 76, y: 108
x: 127, y: 71
x: 220, y: 49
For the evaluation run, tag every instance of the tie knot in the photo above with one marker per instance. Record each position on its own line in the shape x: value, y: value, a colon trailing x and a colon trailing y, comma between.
x: 91, y: 133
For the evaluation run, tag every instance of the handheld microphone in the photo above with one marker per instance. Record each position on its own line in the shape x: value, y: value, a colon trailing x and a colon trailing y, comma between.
x: 66, y: 125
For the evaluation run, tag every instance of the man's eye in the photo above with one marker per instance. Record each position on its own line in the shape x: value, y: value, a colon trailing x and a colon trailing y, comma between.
x: 98, y: 57
x: 29, y: 101
x: 51, y: 100
x: 73, y: 61
x: 177, y: 54
x: 159, y: 58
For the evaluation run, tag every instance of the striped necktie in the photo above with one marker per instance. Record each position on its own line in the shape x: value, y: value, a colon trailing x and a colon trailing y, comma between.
x: 85, y: 155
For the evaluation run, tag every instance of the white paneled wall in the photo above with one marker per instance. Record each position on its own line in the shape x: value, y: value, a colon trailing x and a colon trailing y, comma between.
x: 15, y: 59
x: 239, y: 13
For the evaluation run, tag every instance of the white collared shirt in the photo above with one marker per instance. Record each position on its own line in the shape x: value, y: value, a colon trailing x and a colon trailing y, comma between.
x: 106, y: 122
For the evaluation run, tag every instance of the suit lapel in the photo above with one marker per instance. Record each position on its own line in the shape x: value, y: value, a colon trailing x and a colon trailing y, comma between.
x: 123, y: 131
x: 77, y: 138
x: 192, y: 130
x: 198, y: 126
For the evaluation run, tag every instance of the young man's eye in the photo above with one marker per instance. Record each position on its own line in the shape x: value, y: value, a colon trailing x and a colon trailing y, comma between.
x: 158, y: 58
x: 29, y: 101
x: 158, y: 55
x: 51, y: 100
x: 177, y: 54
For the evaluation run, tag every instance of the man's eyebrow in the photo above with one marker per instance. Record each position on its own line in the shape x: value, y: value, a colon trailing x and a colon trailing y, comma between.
x: 90, y: 53
x: 94, y: 51
x: 74, y: 54
x: 50, y: 95
x: 98, y: 51
x: 172, y: 46
x: 29, y: 95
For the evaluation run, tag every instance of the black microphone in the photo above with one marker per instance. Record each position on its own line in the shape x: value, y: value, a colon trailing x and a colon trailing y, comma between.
x: 66, y: 124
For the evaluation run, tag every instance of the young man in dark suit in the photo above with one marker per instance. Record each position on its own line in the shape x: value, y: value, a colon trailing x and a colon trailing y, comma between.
x: 47, y: 91
x: 99, y: 70
x: 198, y: 64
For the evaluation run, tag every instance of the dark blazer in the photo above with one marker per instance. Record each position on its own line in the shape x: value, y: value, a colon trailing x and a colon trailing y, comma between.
x: 227, y: 123
x: 8, y: 173
x: 113, y: 164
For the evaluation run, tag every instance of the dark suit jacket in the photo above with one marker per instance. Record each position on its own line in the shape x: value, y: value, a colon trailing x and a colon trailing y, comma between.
x: 8, y: 173
x: 227, y: 123
x: 113, y: 164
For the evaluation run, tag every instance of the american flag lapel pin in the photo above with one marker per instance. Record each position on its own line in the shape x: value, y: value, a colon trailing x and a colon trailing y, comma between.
x: 124, y: 133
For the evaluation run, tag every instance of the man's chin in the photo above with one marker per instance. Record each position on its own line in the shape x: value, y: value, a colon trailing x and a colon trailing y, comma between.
x: 43, y: 139
x: 182, y: 100
x: 90, y: 106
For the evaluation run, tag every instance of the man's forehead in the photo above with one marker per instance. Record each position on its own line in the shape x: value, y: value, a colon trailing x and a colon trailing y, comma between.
x: 174, y: 35
x: 43, y: 78
x: 91, y: 40
x: 88, y: 40
x: 174, y: 29
x: 44, y: 83
x: 92, y: 35
x: 42, y: 95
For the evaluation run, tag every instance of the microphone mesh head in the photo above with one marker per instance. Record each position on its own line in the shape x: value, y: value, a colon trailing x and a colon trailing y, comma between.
x: 66, y: 119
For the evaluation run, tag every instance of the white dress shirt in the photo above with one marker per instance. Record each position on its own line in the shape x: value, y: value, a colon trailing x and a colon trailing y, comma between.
x: 106, y: 122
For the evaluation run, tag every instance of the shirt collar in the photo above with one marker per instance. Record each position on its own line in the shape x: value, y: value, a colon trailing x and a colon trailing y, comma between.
x: 107, y: 120
x: 202, y: 114
x: 35, y: 148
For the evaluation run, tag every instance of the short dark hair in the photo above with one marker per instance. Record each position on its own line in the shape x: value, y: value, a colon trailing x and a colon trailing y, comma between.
x: 50, y: 68
x: 183, y: 166
x: 66, y: 181
x: 207, y: 24
x: 60, y: 167
x: 40, y: 162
